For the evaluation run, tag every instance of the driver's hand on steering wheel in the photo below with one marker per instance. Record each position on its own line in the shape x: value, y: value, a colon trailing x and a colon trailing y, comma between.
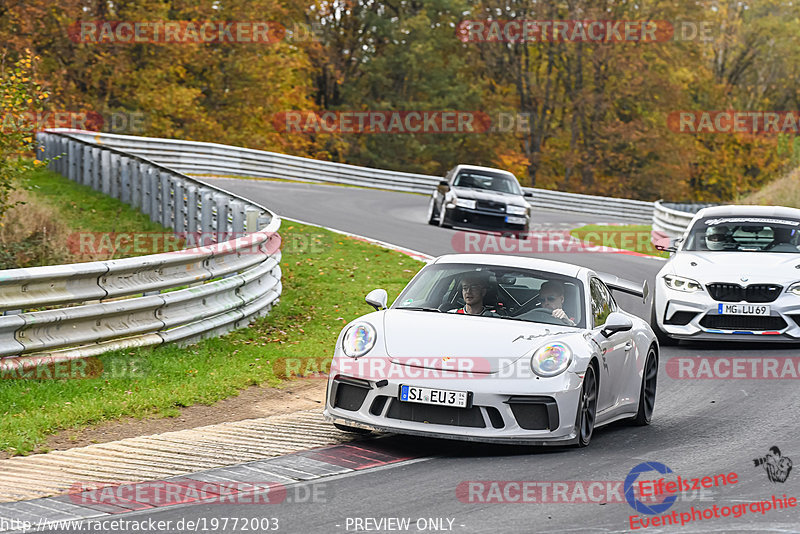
x: 561, y: 314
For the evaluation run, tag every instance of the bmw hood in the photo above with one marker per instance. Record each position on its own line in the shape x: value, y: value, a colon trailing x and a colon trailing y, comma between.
x: 494, y: 196
x: 734, y: 267
x: 464, y: 342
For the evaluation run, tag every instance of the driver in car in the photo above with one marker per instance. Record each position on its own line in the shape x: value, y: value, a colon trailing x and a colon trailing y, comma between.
x: 552, y: 296
x: 473, y: 289
x: 717, y: 237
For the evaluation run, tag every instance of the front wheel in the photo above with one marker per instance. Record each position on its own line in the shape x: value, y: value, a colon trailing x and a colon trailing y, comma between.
x: 663, y: 338
x: 587, y: 407
x: 443, y: 217
x: 432, y: 212
x: 647, y: 395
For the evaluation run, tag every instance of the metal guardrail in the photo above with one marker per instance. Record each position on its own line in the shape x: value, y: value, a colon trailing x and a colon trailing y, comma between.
x: 194, y: 157
x: 178, y: 296
x: 672, y: 218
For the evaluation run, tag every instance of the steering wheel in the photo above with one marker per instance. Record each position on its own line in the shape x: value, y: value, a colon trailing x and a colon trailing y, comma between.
x: 549, y: 313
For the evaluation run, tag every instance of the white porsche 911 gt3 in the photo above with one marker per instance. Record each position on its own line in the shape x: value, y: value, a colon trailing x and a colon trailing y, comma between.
x: 499, y: 349
x: 734, y: 275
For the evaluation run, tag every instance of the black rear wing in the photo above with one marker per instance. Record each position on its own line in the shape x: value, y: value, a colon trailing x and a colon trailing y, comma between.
x: 615, y: 283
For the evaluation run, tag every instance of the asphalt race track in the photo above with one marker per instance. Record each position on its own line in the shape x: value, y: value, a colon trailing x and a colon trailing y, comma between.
x: 701, y: 427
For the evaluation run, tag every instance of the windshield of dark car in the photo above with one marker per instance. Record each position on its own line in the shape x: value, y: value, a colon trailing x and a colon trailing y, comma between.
x: 745, y: 234
x: 489, y: 181
x: 510, y: 292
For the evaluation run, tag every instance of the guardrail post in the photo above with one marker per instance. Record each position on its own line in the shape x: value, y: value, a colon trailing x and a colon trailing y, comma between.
x: 125, y: 180
x: 221, y: 202
x: 94, y: 179
x: 88, y: 165
x: 251, y: 218
x: 136, y: 184
x: 237, y: 218
x: 207, y: 212
x: 73, y: 160
x: 166, y: 200
x: 178, y: 206
x: 116, y: 162
x: 191, y: 209
x: 155, y: 194
x: 144, y: 178
x: 105, y: 171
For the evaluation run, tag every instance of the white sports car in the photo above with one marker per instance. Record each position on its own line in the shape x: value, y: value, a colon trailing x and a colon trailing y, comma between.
x: 498, y: 349
x: 734, y: 275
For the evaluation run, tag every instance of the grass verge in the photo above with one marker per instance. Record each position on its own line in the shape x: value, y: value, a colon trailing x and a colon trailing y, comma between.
x: 325, y: 278
x: 633, y: 237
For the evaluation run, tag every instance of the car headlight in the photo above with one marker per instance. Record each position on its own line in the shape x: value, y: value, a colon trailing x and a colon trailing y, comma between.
x: 465, y: 203
x: 794, y: 289
x: 516, y: 210
x: 551, y: 359
x: 679, y: 283
x: 358, y: 339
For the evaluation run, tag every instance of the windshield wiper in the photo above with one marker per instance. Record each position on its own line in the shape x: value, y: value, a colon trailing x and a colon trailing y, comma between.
x: 420, y: 308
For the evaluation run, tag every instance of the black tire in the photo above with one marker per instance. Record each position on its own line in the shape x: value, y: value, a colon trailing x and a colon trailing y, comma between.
x: 647, y: 393
x: 443, y: 217
x: 432, y: 213
x: 587, y: 407
x: 352, y: 429
x: 663, y: 338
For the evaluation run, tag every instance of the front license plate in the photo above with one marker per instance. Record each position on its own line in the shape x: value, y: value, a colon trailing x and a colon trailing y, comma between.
x: 515, y: 220
x: 742, y: 309
x: 440, y: 397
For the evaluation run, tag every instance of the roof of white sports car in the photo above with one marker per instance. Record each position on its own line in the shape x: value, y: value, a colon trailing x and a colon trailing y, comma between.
x: 742, y: 210
x: 522, y: 262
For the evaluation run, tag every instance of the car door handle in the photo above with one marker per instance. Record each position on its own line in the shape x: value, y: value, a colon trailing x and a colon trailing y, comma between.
x: 628, y: 345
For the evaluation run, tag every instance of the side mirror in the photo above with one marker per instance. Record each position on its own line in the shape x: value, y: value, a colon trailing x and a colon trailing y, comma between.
x: 527, y: 194
x: 377, y: 298
x: 443, y: 187
x: 444, y: 183
x: 616, y: 322
x: 645, y: 291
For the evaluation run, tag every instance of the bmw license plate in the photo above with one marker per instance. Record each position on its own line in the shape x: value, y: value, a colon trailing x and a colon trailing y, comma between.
x: 742, y: 309
x: 439, y: 397
x: 515, y: 220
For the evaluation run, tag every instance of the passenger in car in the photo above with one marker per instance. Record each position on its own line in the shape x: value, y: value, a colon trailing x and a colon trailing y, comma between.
x: 552, y: 296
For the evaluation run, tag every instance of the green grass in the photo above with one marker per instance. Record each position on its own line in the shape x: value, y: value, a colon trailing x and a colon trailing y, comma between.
x: 634, y: 237
x: 82, y: 208
x: 325, y: 278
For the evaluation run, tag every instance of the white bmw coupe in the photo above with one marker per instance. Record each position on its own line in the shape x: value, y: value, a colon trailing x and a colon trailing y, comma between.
x: 734, y: 276
x: 498, y: 349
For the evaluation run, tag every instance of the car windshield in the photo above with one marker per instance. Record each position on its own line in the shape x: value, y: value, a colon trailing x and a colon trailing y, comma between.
x: 745, y: 234
x: 488, y: 180
x: 498, y: 292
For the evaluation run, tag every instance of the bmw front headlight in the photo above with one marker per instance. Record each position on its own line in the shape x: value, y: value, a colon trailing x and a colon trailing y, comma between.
x: 358, y: 339
x: 516, y: 210
x: 794, y: 289
x: 551, y: 359
x: 465, y: 203
x: 679, y: 283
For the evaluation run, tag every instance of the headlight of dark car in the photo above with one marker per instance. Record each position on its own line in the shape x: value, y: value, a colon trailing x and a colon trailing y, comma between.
x: 516, y: 210
x: 465, y: 203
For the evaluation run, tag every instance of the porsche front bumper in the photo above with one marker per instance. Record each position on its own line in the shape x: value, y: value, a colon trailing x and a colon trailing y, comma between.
x: 531, y: 411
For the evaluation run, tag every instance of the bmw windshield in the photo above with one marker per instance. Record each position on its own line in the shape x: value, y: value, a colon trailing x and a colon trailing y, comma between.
x: 488, y: 181
x: 498, y: 292
x: 745, y: 234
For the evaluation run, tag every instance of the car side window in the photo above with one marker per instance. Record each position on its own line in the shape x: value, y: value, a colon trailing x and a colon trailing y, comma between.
x: 602, y: 301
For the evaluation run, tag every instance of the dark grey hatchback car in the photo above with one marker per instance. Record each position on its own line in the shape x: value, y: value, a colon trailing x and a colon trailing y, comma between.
x: 480, y: 197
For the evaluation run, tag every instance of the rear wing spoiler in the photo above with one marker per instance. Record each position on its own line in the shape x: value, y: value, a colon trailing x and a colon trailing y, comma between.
x: 615, y: 283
